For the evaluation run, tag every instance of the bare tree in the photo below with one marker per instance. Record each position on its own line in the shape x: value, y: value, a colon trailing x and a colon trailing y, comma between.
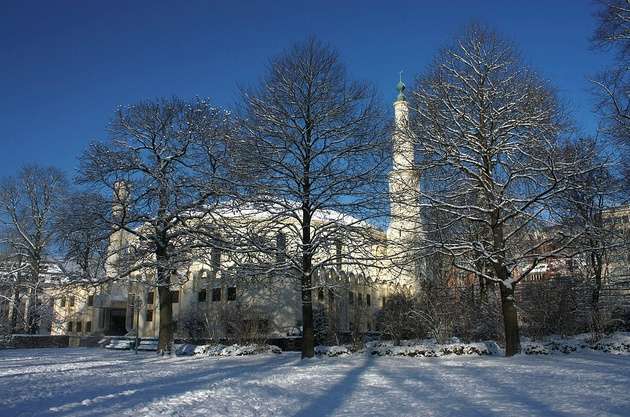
x: 243, y: 322
x: 194, y: 323
x: 583, y: 209
x: 324, y: 326
x: 554, y: 306
x: 614, y: 25
x: 435, y: 308
x: 83, y: 237
x: 613, y: 84
x: 397, y: 318
x: 314, y: 144
x: 487, y: 129
x: 164, y: 165
x: 29, y: 204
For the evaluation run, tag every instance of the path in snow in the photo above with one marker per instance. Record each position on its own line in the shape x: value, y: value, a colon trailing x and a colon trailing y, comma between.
x: 94, y: 382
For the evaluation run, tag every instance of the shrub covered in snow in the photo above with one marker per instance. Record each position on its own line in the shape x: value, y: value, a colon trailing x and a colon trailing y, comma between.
x: 235, y: 350
x: 332, y: 351
x: 616, y: 343
x: 565, y: 346
x: 532, y: 348
x: 209, y: 350
x: 430, y: 349
x: 385, y: 349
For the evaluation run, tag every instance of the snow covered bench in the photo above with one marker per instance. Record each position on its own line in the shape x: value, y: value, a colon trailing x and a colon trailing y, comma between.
x: 119, y: 344
x: 148, y: 344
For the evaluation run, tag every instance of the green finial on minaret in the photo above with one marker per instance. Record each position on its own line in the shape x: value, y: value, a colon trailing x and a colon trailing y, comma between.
x: 401, y: 88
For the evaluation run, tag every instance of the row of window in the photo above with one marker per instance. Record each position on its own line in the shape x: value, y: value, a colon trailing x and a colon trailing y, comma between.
x: 202, y: 295
x: 617, y: 220
x: 79, y: 326
x: 216, y: 294
x: 70, y: 301
x: 174, y: 295
x: 149, y: 317
x: 320, y: 295
x: 368, y: 299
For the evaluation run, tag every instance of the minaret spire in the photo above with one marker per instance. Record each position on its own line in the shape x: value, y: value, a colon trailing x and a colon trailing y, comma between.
x: 405, y: 225
x: 401, y: 88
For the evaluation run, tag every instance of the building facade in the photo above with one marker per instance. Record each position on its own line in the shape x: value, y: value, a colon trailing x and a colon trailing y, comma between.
x: 215, y: 299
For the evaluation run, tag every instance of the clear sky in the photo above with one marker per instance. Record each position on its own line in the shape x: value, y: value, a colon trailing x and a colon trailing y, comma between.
x: 66, y: 65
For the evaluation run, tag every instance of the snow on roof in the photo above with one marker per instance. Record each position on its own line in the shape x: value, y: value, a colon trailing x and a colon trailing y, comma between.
x: 267, y: 210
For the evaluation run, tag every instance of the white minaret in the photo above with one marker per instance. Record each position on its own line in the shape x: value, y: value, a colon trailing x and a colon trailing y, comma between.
x: 404, y: 185
x: 118, y: 240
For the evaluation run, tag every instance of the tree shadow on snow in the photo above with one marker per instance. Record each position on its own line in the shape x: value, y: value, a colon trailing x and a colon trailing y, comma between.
x: 429, y: 386
x: 150, y: 389
x: 441, y: 385
x: 336, y: 394
x: 515, y: 394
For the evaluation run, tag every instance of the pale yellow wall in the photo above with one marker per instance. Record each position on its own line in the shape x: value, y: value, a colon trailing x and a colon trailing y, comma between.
x: 279, y: 298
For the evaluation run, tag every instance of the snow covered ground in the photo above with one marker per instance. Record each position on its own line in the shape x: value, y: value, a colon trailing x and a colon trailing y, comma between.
x: 96, y: 382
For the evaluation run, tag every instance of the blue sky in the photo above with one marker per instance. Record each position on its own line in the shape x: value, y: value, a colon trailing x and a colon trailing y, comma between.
x: 66, y: 65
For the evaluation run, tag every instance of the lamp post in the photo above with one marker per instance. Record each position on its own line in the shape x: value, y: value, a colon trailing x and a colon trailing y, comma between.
x: 137, y: 311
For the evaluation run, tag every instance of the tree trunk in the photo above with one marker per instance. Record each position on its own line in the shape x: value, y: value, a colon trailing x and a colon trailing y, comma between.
x: 308, y: 337
x: 508, y: 300
x: 596, y: 318
x: 165, y: 341
x: 163, y: 273
x: 166, y: 320
x: 308, y: 334
x: 28, y: 312
x: 510, y: 321
x: 14, y: 308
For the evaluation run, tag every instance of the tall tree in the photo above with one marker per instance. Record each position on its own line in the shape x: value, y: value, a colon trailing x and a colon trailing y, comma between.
x: 613, y: 83
x: 583, y: 208
x: 315, y: 147
x: 164, y: 167
x: 29, y: 204
x: 487, y: 128
x: 83, y: 237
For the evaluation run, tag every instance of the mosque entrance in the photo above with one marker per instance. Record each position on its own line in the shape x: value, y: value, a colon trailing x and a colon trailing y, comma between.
x: 117, y: 318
